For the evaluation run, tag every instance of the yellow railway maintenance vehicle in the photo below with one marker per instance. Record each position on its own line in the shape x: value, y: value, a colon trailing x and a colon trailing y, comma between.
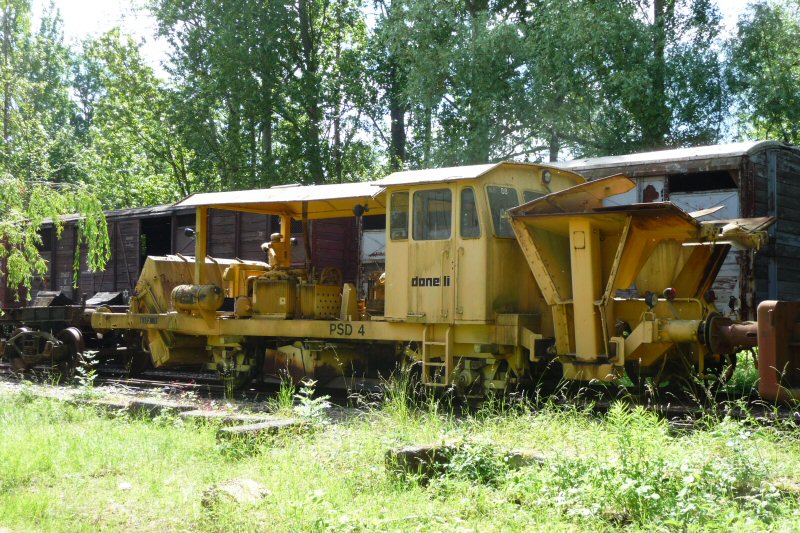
x: 493, y: 272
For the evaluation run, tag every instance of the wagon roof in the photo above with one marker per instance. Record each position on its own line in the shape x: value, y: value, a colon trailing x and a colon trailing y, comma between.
x: 440, y: 175
x: 680, y: 155
x: 321, y: 201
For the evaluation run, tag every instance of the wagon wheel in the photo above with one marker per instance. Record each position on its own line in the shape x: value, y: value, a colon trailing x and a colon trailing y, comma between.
x: 72, y: 339
x: 234, y: 380
x: 12, y: 352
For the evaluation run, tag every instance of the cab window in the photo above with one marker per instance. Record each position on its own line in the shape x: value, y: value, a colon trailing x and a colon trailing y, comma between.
x: 501, y: 199
x: 529, y: 196
x: 432, y: 214
x: 469, y: 226
x: 398, y: 217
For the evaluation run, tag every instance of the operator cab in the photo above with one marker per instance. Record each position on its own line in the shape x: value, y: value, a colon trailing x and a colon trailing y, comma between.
x: 451, y: 254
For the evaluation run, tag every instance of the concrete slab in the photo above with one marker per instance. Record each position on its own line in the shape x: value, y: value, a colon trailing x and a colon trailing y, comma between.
x: 426, y: 461
x: 223, y: 417
x: 522, y: 458
x: 114, y: 407
x: 267, y: 428
x: 153, y: 407
x: 419, y: 460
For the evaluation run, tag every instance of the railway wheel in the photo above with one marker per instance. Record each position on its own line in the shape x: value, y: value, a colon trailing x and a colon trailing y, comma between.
x: 14, y: 350
x: 240, y: 368
x: 72, y: 352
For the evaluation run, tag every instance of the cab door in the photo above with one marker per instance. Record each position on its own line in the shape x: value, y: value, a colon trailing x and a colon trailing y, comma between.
x: 470, y: 256
x: 431, y: 255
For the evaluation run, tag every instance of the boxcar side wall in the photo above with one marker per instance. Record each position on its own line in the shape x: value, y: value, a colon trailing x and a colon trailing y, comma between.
x: 776, y: 175
x: 62, y: 271
x: 788, y: 228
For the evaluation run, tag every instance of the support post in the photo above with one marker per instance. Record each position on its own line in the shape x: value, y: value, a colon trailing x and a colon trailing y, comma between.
x: 201, y: 230
x: 285, y: 259
x: 587, y: 288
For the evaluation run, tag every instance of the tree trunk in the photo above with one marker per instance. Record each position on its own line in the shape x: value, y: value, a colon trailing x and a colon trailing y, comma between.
x: 233, y: 143
x: 477, y: 114
x: 656, y: 126
x: 397, y: 115
x: 266, y: 139
x: 7, y: 29
x: 311, y: 93
x: 555, y: 145
x: 426, y: 136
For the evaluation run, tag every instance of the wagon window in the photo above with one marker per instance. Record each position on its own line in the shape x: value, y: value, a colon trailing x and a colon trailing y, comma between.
x: 398, y: 218
x: 529, y: 196
x: 501, y: 199
x: 432, y: 214
x: 470, y: 228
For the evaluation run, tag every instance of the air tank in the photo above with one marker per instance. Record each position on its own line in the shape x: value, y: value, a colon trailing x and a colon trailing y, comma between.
x: 197, y: 297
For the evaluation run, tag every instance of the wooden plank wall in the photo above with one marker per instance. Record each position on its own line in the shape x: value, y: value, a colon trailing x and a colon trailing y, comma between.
x: 232, y: 235
x: 335, y: 244
x: 254, y: 230
x: 62, y: 277
x: 124, y: 256
x: 121, y: 271
x: 10, y: 298
x: 779, y: 259
x: 787, y: 245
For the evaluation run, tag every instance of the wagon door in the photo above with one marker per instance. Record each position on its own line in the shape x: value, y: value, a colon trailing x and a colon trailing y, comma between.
x: 431, y: 256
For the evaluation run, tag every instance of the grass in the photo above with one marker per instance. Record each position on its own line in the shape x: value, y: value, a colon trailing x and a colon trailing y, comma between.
x: 71, y: 468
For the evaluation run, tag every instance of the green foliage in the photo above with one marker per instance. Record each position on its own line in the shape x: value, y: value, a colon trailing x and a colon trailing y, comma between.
x: 38, y: 175
x: 68, y: 468
x: 481, y: 463
x: 286, y: 394
x: 134, y: 156
x: 86, y: 371
x: 765, y: 70
x: 400, y: 394
x: 312, y: 409
x: 25, y: 206
x: 484, y: 81
x: 651, y: 484
x: 268, y: 92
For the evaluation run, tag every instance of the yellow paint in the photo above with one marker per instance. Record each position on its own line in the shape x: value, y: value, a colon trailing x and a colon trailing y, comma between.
x: 586, y: 288
x: 200, y: 244
x: 468, y: 291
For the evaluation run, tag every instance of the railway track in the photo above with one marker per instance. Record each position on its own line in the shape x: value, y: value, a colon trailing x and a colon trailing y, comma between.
x: 683, y: 412
x: 205, y: 385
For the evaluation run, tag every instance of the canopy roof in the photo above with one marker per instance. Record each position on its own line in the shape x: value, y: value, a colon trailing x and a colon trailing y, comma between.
x: 321, y: 201
x: 441, y: 175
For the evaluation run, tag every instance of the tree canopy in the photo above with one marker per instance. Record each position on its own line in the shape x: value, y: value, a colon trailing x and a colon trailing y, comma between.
x: 765, y: 71
x: 39, y: 174
x: 315, y: 91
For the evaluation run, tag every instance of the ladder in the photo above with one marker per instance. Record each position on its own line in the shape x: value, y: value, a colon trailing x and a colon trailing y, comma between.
x: 429, y: 376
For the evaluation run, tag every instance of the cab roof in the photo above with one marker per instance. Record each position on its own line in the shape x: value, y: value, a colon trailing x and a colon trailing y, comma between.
x: 447, y: 174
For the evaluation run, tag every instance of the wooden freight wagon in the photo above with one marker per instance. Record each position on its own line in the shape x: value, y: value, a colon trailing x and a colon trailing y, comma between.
x: 749, y: 179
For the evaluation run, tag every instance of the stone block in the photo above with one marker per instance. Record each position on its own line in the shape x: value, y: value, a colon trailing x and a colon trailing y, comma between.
x: 223, y: 417
x: 261, y: 429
